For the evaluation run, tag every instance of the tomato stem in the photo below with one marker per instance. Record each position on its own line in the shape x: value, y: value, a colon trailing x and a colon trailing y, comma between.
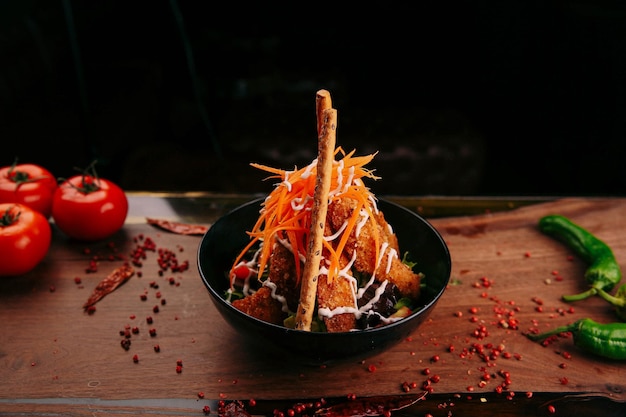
x: 9, y: 217
x: 21, y: 177
x: 90, y: 181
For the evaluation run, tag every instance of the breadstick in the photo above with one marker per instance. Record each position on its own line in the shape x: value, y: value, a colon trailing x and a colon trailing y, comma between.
x: 322, y: 102
x: 325, y: 157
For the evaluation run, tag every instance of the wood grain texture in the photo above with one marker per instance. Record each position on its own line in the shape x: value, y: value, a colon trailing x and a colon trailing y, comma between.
x: 51, y: 349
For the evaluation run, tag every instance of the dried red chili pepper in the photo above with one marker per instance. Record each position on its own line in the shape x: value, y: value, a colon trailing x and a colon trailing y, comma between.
x: 177, y: 227
x: 109, y: 284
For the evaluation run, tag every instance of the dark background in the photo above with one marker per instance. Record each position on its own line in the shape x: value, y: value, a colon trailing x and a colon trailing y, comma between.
x: 459, y: 98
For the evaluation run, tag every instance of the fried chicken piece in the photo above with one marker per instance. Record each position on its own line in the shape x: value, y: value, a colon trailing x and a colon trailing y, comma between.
x: 385, y: 228
x: 262, y: 306
x: 407, y: 281
x: 331, y: 295
x: 282, y: 281
x: 282, y: 273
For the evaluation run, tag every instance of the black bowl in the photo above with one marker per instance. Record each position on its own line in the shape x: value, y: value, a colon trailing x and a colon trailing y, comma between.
x: 227, y: 237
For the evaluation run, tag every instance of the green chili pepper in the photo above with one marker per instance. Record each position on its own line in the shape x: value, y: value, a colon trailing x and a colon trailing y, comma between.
x: 603, y: 271
x: 607, y: 340
x: 618, y: 300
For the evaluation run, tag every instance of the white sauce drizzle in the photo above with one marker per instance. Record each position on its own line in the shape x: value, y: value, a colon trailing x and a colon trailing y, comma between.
x: 350, y: 179
x: 338, y: 233
x: 309, y: 169
x: 337, y: 189
x: 373, y: 201
x: 379, y: 291
x: 345, y: 272
x: 358, y: 312
x: 364, y: 216
x: 373, y: 277
x: 392, y: 254
x: 277, y: 297
x: 326, y: 312
x: 298, y: 204
x: 286, y: 180
x: 286, y: 244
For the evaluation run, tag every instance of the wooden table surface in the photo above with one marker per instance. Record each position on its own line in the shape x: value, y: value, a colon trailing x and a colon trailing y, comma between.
x: 55, y: 359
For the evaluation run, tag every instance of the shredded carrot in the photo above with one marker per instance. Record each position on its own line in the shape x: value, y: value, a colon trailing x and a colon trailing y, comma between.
x: 286, y: 212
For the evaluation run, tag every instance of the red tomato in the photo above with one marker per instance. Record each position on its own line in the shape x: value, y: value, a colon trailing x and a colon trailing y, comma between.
x: 28, y: 184
x: 89, y: 208
x: 25, y: 237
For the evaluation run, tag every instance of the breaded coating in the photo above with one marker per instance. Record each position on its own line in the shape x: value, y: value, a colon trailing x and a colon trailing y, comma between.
x: 262, y: 306
x: 282, y: 272
x: 335, y: 294
x: 384, y: 227
x: 407, y: 281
